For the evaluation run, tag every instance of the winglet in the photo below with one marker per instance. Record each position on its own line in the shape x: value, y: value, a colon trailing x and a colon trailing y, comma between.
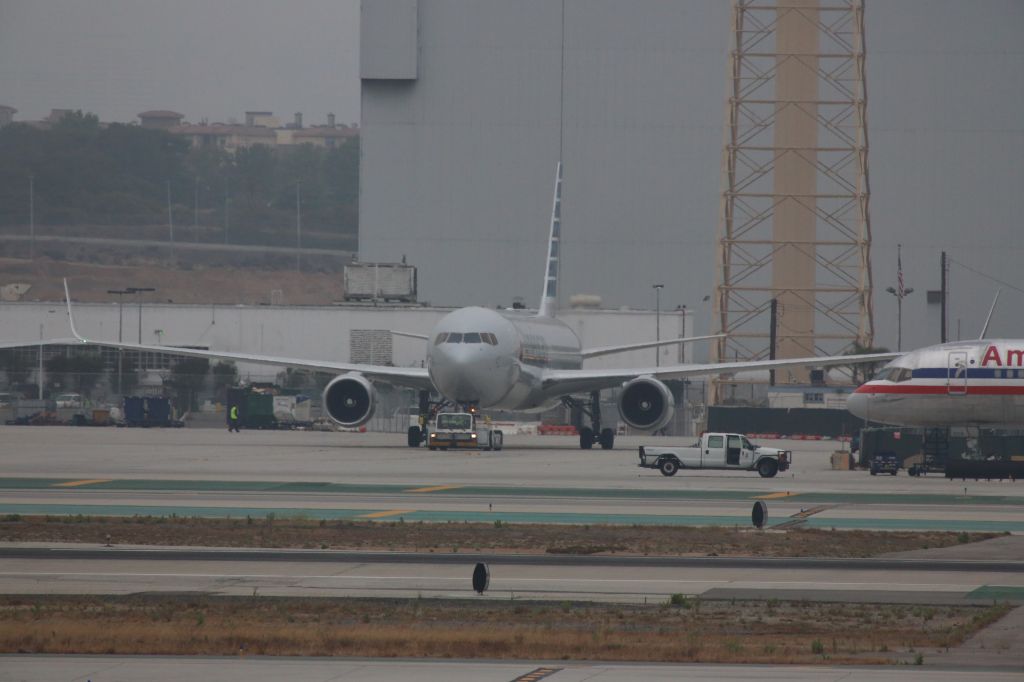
x: 409, y: 335
x: 71, y: 319
x: 984, y: 330
x: 549, y: 295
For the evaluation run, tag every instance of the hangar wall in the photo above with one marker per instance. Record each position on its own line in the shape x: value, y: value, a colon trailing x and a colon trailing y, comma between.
x: 458, y: 162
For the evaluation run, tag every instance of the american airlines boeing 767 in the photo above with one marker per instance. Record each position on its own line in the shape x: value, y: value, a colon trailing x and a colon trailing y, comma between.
x: 482, y: 358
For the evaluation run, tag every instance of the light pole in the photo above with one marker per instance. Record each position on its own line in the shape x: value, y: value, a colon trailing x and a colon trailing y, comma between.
x: 139, y: 290
x: 170, y: 215
x: 900, y: 292
x: 40, y: 380
x: 657, y: 321
x: 32, y: 218
x: 899, y: 314
x: 120, y: 325
x: 298, y: 225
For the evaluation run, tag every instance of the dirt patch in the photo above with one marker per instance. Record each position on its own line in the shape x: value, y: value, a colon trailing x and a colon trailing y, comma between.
x: 470, y: 537
x: 689, y: 630
x: 197, y: 284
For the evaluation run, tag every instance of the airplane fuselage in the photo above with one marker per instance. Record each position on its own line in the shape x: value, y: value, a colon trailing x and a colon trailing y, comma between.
x: 496, y: 359
x: 964, y: 383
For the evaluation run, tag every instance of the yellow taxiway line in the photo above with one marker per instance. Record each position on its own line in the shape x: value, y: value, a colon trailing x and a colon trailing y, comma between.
x: 775, y: 496
x: 433, y: 489
x: 382, y: 514
x: 75, y: 484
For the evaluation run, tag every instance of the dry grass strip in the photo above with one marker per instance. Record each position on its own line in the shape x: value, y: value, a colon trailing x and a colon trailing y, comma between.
x: 688, y: 630
x: 398, y: 535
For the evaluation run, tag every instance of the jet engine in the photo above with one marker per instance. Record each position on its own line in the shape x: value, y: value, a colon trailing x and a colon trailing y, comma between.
x: 350, y: 399
x: 646, y: 404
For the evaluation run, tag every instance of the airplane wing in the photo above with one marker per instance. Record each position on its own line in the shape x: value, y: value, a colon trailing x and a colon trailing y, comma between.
x: 409, y: 335
x: 608, y: 350
x: 414, y: 377
x: 31, y: 344
x: 563, y: 381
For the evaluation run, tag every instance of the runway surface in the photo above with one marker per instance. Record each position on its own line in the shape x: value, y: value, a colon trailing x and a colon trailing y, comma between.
x: 257, y: 669
x: 312, y: 573
x: 64, y: 470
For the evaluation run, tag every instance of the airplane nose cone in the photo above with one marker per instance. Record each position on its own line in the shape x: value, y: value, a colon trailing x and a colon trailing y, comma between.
x: 464, y: 372
x: 857, y: 404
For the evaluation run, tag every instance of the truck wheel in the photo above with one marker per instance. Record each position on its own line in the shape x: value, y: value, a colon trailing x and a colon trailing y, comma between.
x: 586, y: 438
x: 607, y: 439
x: 768, y: 468
x: 668, y: 467
x: 431, y: 448
x: 499, y: 439
x: 414, y: 436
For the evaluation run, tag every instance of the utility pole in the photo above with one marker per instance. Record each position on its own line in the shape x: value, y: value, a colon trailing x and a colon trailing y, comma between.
x: 195, y: 204
x: 657, y: 321
x: 944, y: 268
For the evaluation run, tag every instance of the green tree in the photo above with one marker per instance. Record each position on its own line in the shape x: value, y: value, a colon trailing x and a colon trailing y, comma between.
x: 225, y: 374
x: 861, y: 372
x: 78, y: 373
x: 16, y: 367
x: 187, y: 378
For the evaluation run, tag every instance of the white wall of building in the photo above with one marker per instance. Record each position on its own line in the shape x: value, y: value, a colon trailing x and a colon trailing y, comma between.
x: 318, y: 332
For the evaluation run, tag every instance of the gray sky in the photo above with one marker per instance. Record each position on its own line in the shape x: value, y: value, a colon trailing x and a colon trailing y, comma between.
x: 205, y: 59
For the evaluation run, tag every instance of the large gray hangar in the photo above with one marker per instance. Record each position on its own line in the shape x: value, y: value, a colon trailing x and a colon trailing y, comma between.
x: 467, y: 105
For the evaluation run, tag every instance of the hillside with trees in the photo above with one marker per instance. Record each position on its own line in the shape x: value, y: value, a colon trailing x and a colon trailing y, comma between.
x: 112, y: 180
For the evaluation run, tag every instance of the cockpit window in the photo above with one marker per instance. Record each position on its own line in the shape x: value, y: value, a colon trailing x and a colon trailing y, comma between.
x: 886, y: 374
x: 466, y: 337
x: 895, y: 374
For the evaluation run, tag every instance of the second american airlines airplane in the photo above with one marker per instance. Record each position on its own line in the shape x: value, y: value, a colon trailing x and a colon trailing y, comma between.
x: 483, y: 358
x: 977, y: 383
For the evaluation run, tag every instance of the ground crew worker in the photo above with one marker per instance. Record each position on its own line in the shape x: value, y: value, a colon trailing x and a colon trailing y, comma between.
x: 233, y: 419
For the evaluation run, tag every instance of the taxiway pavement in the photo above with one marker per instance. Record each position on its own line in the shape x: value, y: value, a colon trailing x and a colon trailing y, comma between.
x: 65, y: 470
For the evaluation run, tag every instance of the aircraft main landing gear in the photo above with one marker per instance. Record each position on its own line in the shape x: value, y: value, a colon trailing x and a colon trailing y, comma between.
x: 605, y: 437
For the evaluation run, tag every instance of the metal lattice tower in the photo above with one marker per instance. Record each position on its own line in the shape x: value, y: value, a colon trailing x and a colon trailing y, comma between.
x: 794, y: 210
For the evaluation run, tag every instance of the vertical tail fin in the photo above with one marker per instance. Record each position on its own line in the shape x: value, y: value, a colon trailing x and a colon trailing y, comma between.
x: 549, y: 295
x: 984, y: 330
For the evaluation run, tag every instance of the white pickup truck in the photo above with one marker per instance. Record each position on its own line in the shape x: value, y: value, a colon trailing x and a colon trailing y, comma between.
x: 717, y: 451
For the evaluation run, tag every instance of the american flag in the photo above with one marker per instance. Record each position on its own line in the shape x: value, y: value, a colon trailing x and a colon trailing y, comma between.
x: 900, y: 291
